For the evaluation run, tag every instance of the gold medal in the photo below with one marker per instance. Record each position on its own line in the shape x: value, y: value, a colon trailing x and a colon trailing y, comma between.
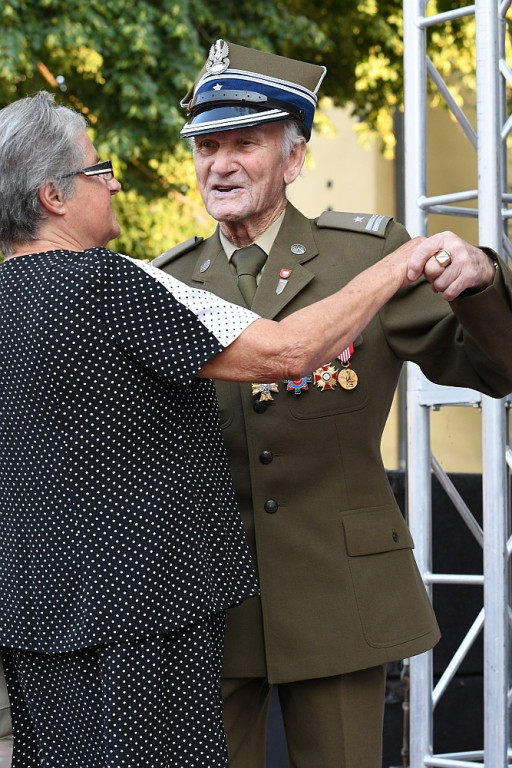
x: 264, y: 391
x: 347, y: 378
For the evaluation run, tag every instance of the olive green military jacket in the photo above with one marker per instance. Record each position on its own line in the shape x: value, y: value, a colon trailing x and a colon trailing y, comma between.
x: 340, y: 589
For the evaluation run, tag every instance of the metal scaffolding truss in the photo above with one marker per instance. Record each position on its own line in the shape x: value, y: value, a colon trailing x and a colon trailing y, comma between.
x: 489, y: 141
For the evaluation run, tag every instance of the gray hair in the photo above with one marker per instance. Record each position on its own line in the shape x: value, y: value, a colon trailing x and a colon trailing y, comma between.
x: 38, y: 143
x: 292, y: 135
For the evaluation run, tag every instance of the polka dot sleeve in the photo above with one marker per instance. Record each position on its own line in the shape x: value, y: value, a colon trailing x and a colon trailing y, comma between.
x: 225, y: 320
x: 162, y: 323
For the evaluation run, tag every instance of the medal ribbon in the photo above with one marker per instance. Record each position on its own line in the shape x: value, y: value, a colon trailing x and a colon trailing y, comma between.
x: 346, y: 354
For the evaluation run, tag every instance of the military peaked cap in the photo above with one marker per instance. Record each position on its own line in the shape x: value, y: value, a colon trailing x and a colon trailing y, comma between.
x: 239, y: 87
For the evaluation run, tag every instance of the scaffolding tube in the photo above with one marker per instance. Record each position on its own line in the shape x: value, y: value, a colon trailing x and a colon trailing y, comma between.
x: 493, y: 127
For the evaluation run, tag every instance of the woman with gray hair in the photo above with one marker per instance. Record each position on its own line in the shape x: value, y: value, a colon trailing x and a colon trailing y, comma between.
x: 114, y: 580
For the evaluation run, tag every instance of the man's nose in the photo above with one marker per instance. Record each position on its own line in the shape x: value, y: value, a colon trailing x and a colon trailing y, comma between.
x: 224, y: 161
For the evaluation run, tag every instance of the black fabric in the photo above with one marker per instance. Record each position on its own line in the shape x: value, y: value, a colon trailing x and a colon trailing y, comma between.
x: 154, y: 702
x: 98, y: 363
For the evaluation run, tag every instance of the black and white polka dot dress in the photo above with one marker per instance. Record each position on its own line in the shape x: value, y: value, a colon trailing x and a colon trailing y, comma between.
x: 117, y: 514
x: 118, y: 519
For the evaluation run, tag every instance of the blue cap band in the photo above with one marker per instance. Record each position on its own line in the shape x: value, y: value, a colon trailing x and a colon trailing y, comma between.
x: 234, y: 100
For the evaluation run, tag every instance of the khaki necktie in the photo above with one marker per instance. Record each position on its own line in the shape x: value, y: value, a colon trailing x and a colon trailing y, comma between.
x: 248, y: 262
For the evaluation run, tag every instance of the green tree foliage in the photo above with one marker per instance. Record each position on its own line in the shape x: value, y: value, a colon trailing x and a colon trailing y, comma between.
x: 127, y: 64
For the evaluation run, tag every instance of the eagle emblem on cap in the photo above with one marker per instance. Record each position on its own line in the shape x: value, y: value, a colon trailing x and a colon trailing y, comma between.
x: 218, y: 60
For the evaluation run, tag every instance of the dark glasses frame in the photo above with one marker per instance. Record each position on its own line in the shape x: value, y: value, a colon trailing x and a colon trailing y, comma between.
x: 98, y: 169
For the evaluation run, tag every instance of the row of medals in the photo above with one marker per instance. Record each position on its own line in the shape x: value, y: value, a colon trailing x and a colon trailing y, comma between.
x: 327, y: 377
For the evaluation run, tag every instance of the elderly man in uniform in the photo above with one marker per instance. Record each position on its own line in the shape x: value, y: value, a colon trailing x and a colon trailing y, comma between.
x: 340, y: 593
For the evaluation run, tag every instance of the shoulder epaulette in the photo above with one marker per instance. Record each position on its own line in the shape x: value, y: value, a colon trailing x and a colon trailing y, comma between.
x: 178, y: 250
x: 365, y: 223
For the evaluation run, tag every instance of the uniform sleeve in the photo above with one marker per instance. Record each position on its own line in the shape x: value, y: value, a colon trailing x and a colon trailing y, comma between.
x: 163, y: 324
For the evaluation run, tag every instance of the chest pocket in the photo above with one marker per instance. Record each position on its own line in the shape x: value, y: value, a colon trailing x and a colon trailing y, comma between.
x: 229, y: 403
x: 335, y: 391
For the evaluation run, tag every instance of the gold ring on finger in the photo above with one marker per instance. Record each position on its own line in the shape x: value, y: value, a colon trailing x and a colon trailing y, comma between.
x: 443, y: 257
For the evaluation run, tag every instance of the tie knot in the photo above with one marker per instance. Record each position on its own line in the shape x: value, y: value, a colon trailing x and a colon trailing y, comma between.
x: 249, y: 260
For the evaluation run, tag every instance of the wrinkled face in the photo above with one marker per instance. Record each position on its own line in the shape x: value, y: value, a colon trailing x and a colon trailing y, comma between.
x: 90, y: 212
x: 241, y: 173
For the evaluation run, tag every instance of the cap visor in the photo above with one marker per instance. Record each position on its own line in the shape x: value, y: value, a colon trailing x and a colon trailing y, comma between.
x: 229, y: 117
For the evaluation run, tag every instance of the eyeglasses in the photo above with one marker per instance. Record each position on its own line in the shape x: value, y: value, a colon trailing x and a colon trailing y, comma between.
x: 98, y: 169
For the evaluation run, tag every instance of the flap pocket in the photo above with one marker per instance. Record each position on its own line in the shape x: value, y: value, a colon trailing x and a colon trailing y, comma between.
x: 381, y: 529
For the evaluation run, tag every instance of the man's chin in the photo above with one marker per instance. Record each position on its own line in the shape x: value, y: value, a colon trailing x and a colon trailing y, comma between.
x: 226, y: 212
x: 229, y: 208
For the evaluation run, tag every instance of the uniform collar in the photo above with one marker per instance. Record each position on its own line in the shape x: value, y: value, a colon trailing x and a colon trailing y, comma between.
x: 265, y: 240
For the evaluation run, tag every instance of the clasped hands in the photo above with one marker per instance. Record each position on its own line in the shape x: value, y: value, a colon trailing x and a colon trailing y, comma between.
x: 450, y: 264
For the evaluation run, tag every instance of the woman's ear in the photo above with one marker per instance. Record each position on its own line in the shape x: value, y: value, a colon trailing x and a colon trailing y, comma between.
x: 51, y: 199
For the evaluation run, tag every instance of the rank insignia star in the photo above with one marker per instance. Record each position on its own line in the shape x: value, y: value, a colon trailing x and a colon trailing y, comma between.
x: 297, y: 385
x: 325, y: 377
x: 264, y: 391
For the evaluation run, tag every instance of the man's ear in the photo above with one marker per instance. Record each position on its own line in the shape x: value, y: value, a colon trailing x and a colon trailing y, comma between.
x: 50, y: 198
x: 295, y: 161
